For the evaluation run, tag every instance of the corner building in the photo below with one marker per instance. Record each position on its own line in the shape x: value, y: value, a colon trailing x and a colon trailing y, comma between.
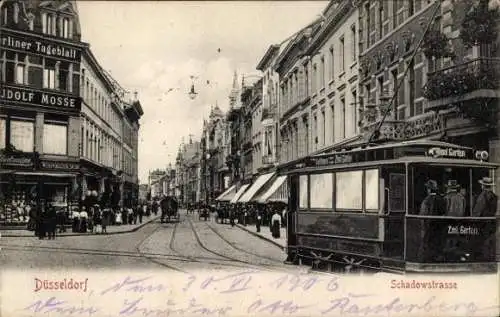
x: 40, y: 55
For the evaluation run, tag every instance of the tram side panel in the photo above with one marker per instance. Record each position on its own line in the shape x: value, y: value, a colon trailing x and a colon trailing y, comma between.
x: 445, y: 240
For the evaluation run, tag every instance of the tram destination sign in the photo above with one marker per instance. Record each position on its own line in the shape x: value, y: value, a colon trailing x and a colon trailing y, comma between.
x: 40, y: 46
x: 39, y: 98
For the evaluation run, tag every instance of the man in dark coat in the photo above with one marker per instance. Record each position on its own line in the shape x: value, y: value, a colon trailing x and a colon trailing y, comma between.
x: 40, y: 220
x: 51, y: 221
x: 433, y: 204
x: 486, y: 202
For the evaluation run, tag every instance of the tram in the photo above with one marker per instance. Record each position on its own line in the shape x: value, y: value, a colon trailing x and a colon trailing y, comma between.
x: 368, y: 208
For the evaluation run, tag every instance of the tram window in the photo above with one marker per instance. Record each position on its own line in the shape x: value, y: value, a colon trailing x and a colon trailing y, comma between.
x: 456, y: 189
x: 372, y: 193
x: 349, y: 190
x: 321, y: 191
x: 303, y: 198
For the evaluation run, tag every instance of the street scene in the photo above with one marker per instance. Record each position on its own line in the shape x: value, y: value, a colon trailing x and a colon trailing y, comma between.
x: 341, y: 136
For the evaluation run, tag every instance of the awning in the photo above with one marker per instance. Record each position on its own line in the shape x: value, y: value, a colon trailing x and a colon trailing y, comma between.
x: 280, y: 194
x: 228, y: 194
x: 275, y: 187
x: 239, y: 193
x: 45, y: 174
x: 255, y: 187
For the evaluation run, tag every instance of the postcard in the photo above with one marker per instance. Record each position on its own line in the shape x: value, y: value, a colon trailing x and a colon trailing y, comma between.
x: 249, y: 158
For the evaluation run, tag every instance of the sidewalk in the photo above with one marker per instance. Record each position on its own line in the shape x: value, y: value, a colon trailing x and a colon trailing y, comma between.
x: 111, y: 230
x: 265, y: 234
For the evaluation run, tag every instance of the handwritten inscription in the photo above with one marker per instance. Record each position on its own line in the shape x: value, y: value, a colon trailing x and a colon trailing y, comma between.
x: 243, y: 293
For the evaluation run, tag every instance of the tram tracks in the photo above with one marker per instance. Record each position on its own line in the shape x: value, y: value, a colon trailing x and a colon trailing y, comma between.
x: 234, y: 246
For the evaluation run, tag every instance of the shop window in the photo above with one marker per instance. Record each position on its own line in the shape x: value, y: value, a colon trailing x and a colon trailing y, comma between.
x: 3, y: 133
x: 322, y: 191
x: 303, y: 197
x: 22, y: 135
x: 55, y: 139
x: 348, y: 190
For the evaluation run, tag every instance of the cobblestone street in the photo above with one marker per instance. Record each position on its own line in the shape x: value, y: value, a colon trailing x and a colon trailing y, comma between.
x: 190, y: 244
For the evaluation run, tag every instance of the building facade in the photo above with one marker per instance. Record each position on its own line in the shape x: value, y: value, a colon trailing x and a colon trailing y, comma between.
x: 295, y: 86
x: 40, y: 56
x: 188, y: 172
x: 270, y: 110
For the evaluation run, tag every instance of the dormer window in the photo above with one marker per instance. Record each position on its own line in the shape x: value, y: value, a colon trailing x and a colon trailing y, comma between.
x: 5, y: 15
x: 48, y: 24
x: 16, y: 13
x: 65, y: 32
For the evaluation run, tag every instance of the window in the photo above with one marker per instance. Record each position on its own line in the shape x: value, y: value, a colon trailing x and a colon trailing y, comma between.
x: 22, y: 135
x: 5, y: 15
x: 303, y: 197
x: 55, y: 139
x: 411, y: 8
x: 353, y: 43
x: 380, y: 19
x: 394, y: 86
x: 306, y: 79
x: 20, y: 71
x: 342, y: 54
x: 411, y: 88
x: 372, y: 190
x: 16, y: 13
x: 65, y: 28
x: 332, y: 108
x: 322, y: 72
x: 49, y: 78
x: 368, y: 27
x: 355, y: 110
x: 64, y: 76
x: 332, y: 63
x: 48, y: 24
x: 323, y: 126
x: 322, y: 189
x: 315, y: 131
x: 342, y: 103
x: 3, y: 133
x: 348, y: 190
x: 314, y: 78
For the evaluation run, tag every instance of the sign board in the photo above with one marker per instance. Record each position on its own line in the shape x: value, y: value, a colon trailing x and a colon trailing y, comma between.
x: 40, y: 46
x: 7, y: 160
x: 60, y: 165
x: 39, y: 98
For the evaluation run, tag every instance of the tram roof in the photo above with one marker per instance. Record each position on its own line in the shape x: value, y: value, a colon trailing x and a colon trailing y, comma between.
x: 403, y: 160
x: 415, y: 151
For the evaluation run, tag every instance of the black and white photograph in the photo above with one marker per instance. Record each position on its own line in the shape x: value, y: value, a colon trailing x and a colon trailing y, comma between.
x: 327, y: 139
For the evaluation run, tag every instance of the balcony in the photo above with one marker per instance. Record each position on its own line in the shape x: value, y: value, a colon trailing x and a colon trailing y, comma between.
x: 475, y: 79
x: 425, y: 125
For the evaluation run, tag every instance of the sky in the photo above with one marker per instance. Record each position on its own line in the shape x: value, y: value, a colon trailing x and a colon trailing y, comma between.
x: 155, y: 47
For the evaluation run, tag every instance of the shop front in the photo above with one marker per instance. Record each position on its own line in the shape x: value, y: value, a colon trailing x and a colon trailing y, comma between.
x: 23, y: 185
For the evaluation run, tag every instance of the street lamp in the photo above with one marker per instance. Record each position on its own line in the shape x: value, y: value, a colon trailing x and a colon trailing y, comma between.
x: 192, y: 93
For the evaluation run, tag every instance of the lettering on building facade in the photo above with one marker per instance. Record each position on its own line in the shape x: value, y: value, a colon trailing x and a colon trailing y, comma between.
x: 39, y: 98
x: 60, y: 165
x: 39, y: 46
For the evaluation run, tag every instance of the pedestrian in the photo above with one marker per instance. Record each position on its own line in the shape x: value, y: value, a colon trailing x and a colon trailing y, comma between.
x: 32, y: 219
x: 106, y: 214
x: 141, y: 212
x: 83, y: 220
x: 76, y: 221
x: 61, y: 219
x: 257, y: 222
x: 41, y: 219
x: 51, y: 222
x: 97, y: 220
x: 276, y: 225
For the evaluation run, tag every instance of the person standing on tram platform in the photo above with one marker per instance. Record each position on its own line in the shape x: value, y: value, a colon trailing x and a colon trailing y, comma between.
x: 433, y: 204
x: 455, y: 201
x: 486, y: 202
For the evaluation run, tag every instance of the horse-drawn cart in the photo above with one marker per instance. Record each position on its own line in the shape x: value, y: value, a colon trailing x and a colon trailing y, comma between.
x: 169, y: 209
